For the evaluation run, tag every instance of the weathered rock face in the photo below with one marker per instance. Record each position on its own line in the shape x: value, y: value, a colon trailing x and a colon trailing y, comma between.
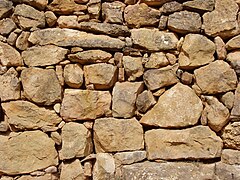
x: 144, y: 101
x: 36, y: 152
x: 171, y: 7
x: 197, y: 50
x: 85, y: 104
x: 234, y: 61
x: 199, y: 5
x: 130, y: 157
x: 5, y: 8
x: 133, y: 67
x: 153, y: 39
x: 112, y: 12
x: 156, y: 60
x: 73, y: 75
x: 175, y: 110
x: 76, y: 140
x: 25, y: 115
x: 111, y: 135
x: 194, y: 143
x: 225, y: 171
x: 44, y: 55
x: 233, y: 43
x: 235, y: 113
x: 217, y: 77
x: 72, y: 170
x: 41, y: 85
x: 230, y: 156
x: 6, y: 26
x: 230, y: 136
x: 39, y: 4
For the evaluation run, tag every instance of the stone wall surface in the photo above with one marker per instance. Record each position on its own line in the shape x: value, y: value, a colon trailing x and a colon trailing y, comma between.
x: 119, y: 90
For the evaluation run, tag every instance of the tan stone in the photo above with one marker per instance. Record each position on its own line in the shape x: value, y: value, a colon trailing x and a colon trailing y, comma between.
x: 158, y: 78
x: 124, y: 98
x: 220, y: 48
x: 50, y: 17
x: 230, y: 136
x: 168, y: 113
x: 68, y: 21
x: 22, y: 41
x: 217, y: 114
x: 94, y: 8
x: 184, y: 22
x: 7, y: 26
x: 233, y: 43
x: 187, y: 78
x: 138, y: 15
x: 41, y: 177
x: 93, y: 104
x: 59, y: 73
x: 129, y: 157
x: 227, y: 172
x: 70, y: 37
x: 230, y: 156
x: 44, y: 55
x: 235, y: 113
x: 234, y: 61
x: 199, y: 5
x: 197, y: 50
x: 155, y: 2
x: 9, y: 56
x: 5, y: 8
x: 90, y: 56
x: 156, y: 60
x: 104, y: 167
x: 25, y: 115
x: 76, y: 141
x: 101, y: 75
x: 56, y: 137
x: 12, y: 38
x: 222, y: 21
x: 4, y: 126
x: 133, y: 67
x: 36, y: 151
x: 73, y: 75
x: 9, y: 85
x: 65, y: 7
x: 153, y: 39
x: 39, y: 4
x: 112, y: 12
x: 111, y: 135
x: 162, y: 22
x: 217, y: 77
x: 145, y: 101
x: 193, y: 143
x: 27, y: 17
x: 171, y: 7
x: 41, y: 86
x: 72, y: 170
x: 228, y: 99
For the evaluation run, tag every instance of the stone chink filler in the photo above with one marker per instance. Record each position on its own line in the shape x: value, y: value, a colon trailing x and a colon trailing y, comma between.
x: 119, y: 90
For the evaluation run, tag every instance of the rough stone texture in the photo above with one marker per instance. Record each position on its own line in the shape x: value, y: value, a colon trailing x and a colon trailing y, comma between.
x: 145, y: 101
x: 220, y: 48
x: 44, y: 55
x: 199, y: 5
x: 73, y: 75
x: 222, y: 21
x: 25, y: 115
x: 224, y: 171
x: 228, y: 99
x: 235, y: 113
x: 231, y: 136
x: 129, y: 157
x: 72, y: 170
x: 50, y: 17
x: 76, y: 141
x: 124, y: 98
x: 22, y: 41
x: 153, y: 39
x: 184, y: 22
x: 197, y: 50
x: 233, y: 43
x: 85, y: 104
x: 234, y: 61
x: 39, y: 4
x: 101, y: 75
x: 41, y: 86
x: 67, y: 21
x: 9, y: 85
x: 156, y: 60
x: 133, y: 67
x: 70, y: 37
x: 112, y: 12
x: 217, y: 77
x: 168, y: 113
x: 194, y: 143
x: 138, y: 15
x: 171, y: 7
x: 5, y: 8
x: 36, y: 152
x: 111, y: 135
x: 230, y: 156
x: 6, y: 26
x: 9, y: 56
x: 155, y: 2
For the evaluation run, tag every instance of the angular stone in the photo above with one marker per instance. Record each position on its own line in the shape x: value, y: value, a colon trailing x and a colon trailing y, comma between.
x: 145, y: 101
x: 90, y: 56
x: 7, y: 26
x: 217, y: 115
x: 39, y: 4
x: 198, y: 142
x: 36, y: 151
x: 22, y: 41
x: 76, y: 141
x: 233, y: 43
x: 44, y: 55
x: 163, y: 22
x: 73, y: 75
x: 185, y: 22
x: 70, y: 37
x: 220, y: 48
x: 27, y: 17
x: 133, y: 67
x: 217, y: 77
x: 68, y: 21
x: 9, y: 85
x: 25, y: 115
x: 104, y: 28
x: 112, y: 12
x: 65, y: 7
x: 234, y: 61
x: 124, y: 98
x: 72, y: 170
x: 158, y: 78
x: 156, y: 60
x: 230, y: 156
x: 38, y: 177
x: 225, y: 171
x: 231, y: 136
x: 168, y: 171
x: 51, y: 18
x: 199, y: 5
x: 197, y: 50
x: 222, y: 21
x: 129, y: 157
x: 111, y: 135
x: 235, y: 113
x: 5, y: 8
x: 167, y: 113
x: 228, y: 99
x: 138, y: 15
x: 85, y: 104
x: 56, y: 137
x: 41, y: 86
x: 101, y: 75
x: 9, y: 56
x: 186, y: 78
x: 94, y: 8
x: 104, y: 167
x: 155, y: 2
x: 4, y: 126
x: 153, y: 39
x: 171, y: 7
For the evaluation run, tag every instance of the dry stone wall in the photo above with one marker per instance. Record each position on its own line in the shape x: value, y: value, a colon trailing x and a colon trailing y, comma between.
x: 119, y: 90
